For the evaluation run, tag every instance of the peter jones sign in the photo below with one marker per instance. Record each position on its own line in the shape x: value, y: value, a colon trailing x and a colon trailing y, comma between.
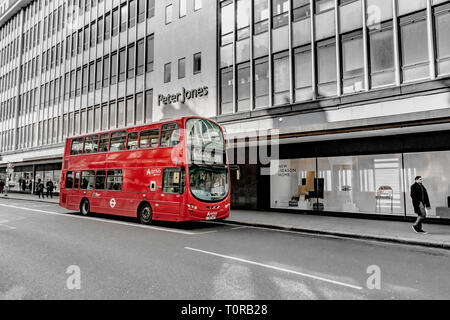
x: 183, y: 96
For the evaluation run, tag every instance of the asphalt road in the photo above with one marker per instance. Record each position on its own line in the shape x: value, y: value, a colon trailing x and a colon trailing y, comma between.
x: 47, y: 252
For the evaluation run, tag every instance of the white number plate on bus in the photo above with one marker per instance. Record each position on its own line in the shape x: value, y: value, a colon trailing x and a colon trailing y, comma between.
x: 211, y: 215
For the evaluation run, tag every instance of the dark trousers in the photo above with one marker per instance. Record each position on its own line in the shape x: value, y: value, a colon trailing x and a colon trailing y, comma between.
x: 41, y: 192
x: 49, y: 193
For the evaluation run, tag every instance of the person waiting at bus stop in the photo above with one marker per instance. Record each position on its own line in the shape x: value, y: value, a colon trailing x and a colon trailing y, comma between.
x: 2, y: 186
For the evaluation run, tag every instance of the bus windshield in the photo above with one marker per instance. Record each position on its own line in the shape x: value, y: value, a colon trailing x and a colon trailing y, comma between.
x: 209, y: 183
x: 208, y: 172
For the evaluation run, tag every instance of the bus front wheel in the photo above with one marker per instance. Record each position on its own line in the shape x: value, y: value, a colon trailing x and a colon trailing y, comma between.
x: 145, y: 214
x: 85, y: 207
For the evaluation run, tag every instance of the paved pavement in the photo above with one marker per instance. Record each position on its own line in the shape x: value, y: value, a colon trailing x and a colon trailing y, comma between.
x: 378, y: 230
x: 48, y: 252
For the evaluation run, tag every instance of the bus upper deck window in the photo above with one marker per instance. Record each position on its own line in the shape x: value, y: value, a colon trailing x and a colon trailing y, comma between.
x: 149, y: 139
x: 77, y: 146
x: 104, y: 143
x: 132, y: 143
x: 118, y: 141
x: 170, y: 135
x: 91, y: 144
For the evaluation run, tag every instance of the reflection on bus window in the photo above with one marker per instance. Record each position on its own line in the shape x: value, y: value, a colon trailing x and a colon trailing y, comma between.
x: 76, y: 181
x: 208, y: 183
x: 173, y: 181
x: 77, y: 146
x: 87, y: 180
x: 118, y: 141
x: 114, y: 180
x: 69, y: 180
x: 100, y: 180
x: 132, y: 143
x: 149, y: 139
x: 91, y: 144
x: 170, y: 135
x: 104, y: 143
x: 205, y: 142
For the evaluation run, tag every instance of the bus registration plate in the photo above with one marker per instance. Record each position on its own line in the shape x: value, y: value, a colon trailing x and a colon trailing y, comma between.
x: 211, y: 215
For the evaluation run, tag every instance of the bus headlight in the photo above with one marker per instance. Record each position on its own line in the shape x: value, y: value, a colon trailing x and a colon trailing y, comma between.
x: 191, y: 206
x: 227, y: 206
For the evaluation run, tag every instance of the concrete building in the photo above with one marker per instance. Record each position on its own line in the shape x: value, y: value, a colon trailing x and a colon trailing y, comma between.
x: 357, y: 90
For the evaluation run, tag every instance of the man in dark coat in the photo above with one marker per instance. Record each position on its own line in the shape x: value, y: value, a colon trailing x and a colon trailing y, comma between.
x: 420, y: 201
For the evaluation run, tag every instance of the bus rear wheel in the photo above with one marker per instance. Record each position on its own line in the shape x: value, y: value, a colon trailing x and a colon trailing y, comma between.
x: 85, y: 207
x: 145, y: 214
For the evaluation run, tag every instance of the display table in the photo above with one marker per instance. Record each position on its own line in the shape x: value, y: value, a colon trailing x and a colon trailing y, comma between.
x: 443, y: 212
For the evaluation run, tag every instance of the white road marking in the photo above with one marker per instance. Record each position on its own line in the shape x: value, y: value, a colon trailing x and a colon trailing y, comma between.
x: 239, y: 228
x: 277, y: 268
x: 2, y: 224
x: 109, y: 221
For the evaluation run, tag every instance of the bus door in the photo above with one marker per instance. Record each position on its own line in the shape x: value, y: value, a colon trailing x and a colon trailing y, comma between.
x: 73, y: 195
x: 99, y: 196
x: 171, y: 198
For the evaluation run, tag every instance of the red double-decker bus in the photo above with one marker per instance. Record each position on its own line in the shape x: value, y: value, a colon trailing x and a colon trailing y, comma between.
x: 171, y: 171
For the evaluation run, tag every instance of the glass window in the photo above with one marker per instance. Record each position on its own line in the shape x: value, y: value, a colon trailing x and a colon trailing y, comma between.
x: 130, y: 111
x: 130, y: 62
x: 121, y: 114
x: 122, y: 65
x: 114, y: 180
x: 171, y: 181
x: 377, y: 12
x: 131, y: 13
x: 280, y: 10
x: 325, y: 19
x: 181, y: 68
x: 76, y: 181
x: 104, y: 142
x: 352, y: 64
x: 139, y: 113
x: 415, y: 64
x: 226, y: 79
x: 69, y: 180
x: 132, y: 142
x: 197, y: 62
x: 140, y: 58
x: 326, y: 65
x: 168, y: 14
x: 382, y: 65
x: 167, y: 72
x: 150, y: 53
x: 123, y: 17
x: 118, y: 141
x: 87, y: 180
x: 91, y: 144
x: 148, y: 106
x: 182, y: 6
x: 149, y: 139
x: 303, y: 74
x: 243, y: 88
x: 170, y: 135
x: 77, y: 146
x: 197, y: 5
x: 351, y: 16
x: 407, y: 6
x: 100, y: 180
x: 261, y: 76
x: 442, y: 27
x: 281, y: 79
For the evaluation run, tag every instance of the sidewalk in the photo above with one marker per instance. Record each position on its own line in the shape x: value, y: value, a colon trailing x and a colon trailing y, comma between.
x: 379, y: 230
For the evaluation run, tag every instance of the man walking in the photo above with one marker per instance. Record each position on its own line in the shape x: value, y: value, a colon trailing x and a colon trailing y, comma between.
x: 50, y: 187
x: 40, y: 189
x: 420, y: 200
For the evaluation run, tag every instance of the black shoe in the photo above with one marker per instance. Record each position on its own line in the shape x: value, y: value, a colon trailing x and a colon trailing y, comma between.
x: 416, y: 229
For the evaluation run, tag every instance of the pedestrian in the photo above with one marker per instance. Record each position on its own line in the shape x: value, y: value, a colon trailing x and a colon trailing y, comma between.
x: 24, y: 185
x: 50, y: 188
x: 420, y: 201
x: 40, y: 188
x: 2, y: 186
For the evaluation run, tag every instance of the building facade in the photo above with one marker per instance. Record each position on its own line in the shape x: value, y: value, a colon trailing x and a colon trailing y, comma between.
x: 356, y: 91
